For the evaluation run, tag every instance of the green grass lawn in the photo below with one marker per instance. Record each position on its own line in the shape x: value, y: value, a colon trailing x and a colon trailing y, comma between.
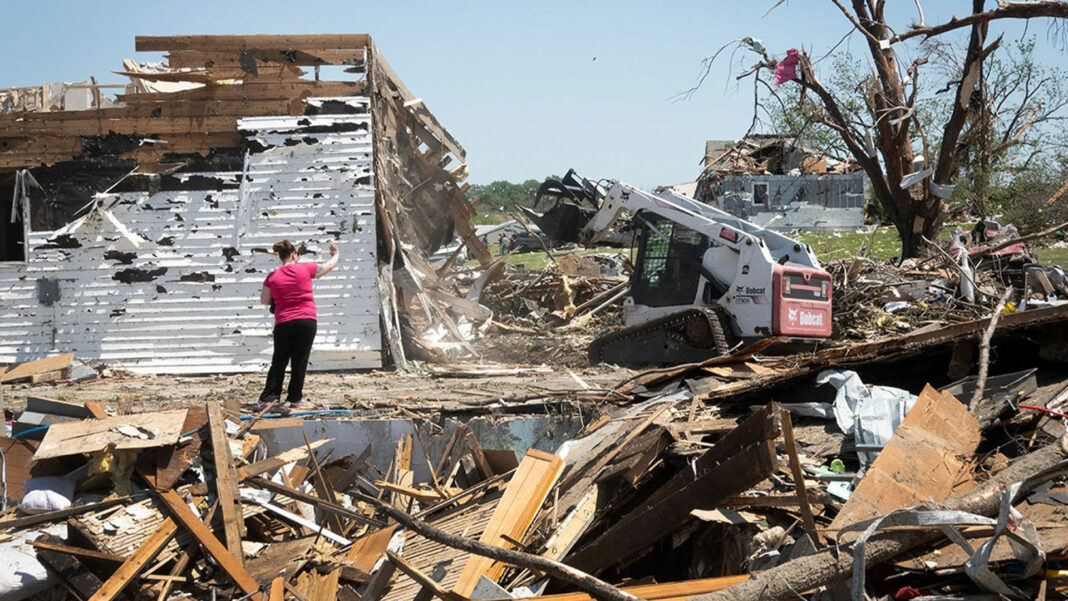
x: 536, y: 261
x: 884, y: 243
x: 881, y: 244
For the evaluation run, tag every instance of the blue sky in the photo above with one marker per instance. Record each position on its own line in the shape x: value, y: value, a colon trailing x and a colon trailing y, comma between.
x: 528, y: 88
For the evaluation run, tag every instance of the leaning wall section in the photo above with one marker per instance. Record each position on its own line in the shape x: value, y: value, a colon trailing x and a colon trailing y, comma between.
x: 168, y: 281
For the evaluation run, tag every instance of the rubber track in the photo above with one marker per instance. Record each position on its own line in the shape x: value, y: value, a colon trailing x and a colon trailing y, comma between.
x: 719, y: 344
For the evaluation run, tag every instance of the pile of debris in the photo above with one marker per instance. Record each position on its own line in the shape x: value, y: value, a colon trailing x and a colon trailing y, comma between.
x: 740, y: 475
x: 878, y: 298
x: 570, y: 292
x: 773, y: 154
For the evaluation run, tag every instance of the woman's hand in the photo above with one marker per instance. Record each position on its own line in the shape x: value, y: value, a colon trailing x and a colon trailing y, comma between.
x: 324, y: 268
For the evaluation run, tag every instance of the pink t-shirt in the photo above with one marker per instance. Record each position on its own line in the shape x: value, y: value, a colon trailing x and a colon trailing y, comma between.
x: 291, y: 289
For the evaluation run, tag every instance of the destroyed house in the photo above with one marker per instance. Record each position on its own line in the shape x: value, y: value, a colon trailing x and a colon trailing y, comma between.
x: 138, y: 230
x: 780, y: 182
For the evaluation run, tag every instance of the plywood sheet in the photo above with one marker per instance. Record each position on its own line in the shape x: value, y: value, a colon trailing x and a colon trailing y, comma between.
x: 160, y: 428
x: 926, y: 460
x: 522, y: 499
x: 29, y: 369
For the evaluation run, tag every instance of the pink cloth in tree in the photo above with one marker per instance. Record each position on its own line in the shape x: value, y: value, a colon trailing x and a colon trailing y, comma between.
x: 787, y: 68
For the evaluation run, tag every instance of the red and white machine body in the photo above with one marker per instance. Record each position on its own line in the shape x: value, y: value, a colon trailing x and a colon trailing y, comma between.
x: 769, y: 284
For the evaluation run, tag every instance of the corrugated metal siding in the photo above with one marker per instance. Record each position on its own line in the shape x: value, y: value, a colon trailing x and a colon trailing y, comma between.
x: 311, y: 182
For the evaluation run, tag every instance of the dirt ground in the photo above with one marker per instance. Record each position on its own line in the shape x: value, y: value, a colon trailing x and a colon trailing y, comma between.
x: 417, y: 388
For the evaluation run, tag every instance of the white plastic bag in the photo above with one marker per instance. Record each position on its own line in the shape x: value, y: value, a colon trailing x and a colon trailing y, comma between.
x: 44, y: 494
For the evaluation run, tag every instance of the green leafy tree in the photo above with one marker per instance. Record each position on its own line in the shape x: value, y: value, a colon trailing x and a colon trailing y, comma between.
x: 494, y: 201
x: 912, y: 168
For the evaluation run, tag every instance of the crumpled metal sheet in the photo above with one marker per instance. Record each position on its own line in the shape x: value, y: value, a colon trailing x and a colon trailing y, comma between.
x: 870, y: 413
x: 1023, y: 538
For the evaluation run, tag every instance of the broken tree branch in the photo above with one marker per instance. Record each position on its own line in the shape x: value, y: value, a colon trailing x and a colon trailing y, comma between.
x: 592, y: 585
x: 830, y: 566
x: 984, y: 350
x: 1005, y: 10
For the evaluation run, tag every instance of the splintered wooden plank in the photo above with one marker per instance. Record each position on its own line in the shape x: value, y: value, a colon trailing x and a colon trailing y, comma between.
x: 173, y: 461
x: 193, y: 59
x: 368, y: 549
x: 137, y: 562
x: 140, y: 431
x: 278, y: 591
x: 146, y: 43
x: 225, y: 482
x: 267, y: 465
x: 526, y: 493
x: 229, y: 563
x: 47, y: 543
x: 479, y: 456
x: 83, y: 583
x: 28, y: 369
x: 96, y: 410
x: 737, y: 462
x: 924, y: 461
x: 322, y: 485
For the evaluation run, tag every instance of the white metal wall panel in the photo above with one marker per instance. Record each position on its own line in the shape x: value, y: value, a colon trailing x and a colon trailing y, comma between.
x: 169, y: 282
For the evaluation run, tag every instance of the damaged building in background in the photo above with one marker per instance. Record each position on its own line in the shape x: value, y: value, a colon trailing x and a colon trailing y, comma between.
x: 138, y: 230
x: 779, y: 182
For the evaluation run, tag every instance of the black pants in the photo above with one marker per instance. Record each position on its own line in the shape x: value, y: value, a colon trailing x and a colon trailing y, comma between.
x: 292, y: 343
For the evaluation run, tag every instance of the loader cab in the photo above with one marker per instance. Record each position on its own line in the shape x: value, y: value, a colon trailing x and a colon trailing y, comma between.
x: 667, y: 264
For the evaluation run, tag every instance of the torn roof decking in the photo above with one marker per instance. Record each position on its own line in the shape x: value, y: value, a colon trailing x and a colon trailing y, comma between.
x: 185, y: 149
x: 195, y: 129
x: 243, y: 76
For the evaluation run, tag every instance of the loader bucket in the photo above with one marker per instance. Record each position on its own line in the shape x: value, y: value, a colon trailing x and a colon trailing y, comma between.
x: 563, y: 222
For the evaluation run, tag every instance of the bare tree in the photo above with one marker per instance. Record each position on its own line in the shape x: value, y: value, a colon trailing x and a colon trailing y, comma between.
x: 1014, y: 106
x: 912, y: 189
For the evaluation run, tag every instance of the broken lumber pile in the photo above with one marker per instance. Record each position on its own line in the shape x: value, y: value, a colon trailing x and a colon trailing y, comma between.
x: 744, y: 476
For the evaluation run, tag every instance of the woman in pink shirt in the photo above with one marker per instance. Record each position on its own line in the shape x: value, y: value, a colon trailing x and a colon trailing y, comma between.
x: 288, y: 290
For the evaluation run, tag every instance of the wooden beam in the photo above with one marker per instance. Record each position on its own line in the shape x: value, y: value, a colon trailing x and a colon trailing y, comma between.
x: 234, y: 568
x: 48, y: 544
x: 738, y: 461
x: 267, y: 465
x: 799, y: 479
x: 194, y: 59
x: 96, y: 410
x: 478, y: 456
x: 27, y: 369
x: 136, y: 563
x: 423, y: 496
x: 323, y: 504
x: 145, y: 43
x: 278, y: 592
x: 76, y: 578
x: 226, y: 482
x: 323, y: 487
x: 63, y: 514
